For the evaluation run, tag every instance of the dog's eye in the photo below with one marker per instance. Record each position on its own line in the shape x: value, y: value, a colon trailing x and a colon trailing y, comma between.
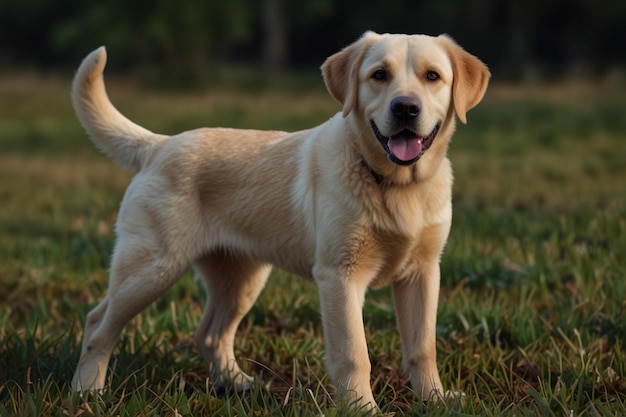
x: 380, y: 75
x: 432, y: 76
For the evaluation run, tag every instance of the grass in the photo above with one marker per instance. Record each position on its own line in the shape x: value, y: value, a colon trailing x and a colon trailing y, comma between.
x: 531, y: 317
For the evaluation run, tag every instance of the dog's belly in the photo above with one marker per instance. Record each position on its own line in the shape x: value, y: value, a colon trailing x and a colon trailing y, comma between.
x: 289, y: 252
x: 299, y: 264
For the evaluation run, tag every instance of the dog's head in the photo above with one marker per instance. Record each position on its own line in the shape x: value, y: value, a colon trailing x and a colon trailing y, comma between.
x: 403, y: 90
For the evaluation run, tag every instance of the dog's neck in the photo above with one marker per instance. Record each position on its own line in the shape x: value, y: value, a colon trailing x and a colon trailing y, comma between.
x: 377, y: 177
x: 389, y: 181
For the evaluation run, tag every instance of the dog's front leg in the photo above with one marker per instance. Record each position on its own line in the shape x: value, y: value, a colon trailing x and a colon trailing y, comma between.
x: 416, y: 300
x: 347, y: 359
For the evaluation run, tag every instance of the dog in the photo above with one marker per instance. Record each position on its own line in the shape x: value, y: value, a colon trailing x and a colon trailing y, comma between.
x: 360, y: 201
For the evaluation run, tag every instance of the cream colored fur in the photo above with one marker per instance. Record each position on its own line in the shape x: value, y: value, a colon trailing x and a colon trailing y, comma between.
x: 325, y: 203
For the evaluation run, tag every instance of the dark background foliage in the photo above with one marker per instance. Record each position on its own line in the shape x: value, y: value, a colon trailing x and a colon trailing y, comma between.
x: 517, y: 39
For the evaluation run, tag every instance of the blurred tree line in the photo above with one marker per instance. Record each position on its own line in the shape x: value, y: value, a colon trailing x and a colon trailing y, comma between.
x: 514, y: 38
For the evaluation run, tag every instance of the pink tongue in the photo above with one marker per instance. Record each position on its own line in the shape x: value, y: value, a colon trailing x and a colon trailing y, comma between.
x: 405, y: 147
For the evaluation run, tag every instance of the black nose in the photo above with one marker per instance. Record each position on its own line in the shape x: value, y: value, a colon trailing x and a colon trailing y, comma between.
x: 405, y: 108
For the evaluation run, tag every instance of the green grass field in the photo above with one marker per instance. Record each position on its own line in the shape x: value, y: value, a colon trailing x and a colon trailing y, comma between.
x: 532, y: 317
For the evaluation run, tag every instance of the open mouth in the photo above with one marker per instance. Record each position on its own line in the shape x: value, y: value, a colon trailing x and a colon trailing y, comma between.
x: 405, y: 147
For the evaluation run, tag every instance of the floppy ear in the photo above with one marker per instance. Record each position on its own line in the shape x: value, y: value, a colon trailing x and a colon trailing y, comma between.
x: 341, y: 71
x: 470, y: 78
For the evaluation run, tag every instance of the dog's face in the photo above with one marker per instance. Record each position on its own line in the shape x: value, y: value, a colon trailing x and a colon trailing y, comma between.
x: 403, y: 89
x: 404, y: 92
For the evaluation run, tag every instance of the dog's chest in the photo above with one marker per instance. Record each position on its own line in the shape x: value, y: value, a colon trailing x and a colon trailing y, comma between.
x: 393, y: 252
x: 410, y: 230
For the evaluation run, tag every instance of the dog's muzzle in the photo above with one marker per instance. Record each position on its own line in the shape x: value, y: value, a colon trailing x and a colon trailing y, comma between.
x: 405, y: 147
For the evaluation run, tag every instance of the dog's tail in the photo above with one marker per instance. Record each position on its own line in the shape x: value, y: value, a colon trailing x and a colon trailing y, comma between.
x: 124, y: 141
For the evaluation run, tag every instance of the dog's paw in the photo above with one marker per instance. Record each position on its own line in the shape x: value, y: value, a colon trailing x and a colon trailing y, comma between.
x: 238, y: 385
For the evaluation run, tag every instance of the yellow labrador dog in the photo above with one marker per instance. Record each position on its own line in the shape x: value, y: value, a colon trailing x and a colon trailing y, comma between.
x: 363, y: 200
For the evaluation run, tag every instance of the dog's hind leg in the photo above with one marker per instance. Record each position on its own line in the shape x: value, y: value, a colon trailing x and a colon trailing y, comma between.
x: 139, y: 275
x: 233, y: 283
